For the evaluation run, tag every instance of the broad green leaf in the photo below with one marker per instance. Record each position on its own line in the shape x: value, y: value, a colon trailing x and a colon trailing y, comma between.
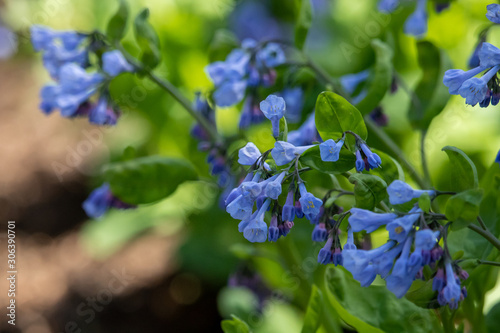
x: 369, y: 190
x: 335, y: 115
x: 422, y: 295
x: 312, y: 158
x: 431, y: 95
x: 375, y: 309
x: 314, y: 311
x: 148, y: 40
x: 147, y: 179
x: 304, y: 20
x: 382, y: 78
x: 235, y: 325
x: 424, y: 202
x: 391, y: 170
x: 283, y: 135
x: 492, y: 318
x: 463, y: 173
x: 116, y: 26
x: 463, y: 208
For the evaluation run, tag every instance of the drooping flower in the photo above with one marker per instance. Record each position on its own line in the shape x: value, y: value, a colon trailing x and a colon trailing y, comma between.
x: 102, y: 113
x: 404, y: 271
x: 248, y: 154
x: 288, y: 213
x: 362, y: 219
x: 452, y: 291
x: 426, y: 239
x: 360, y: 163
x: 319, y: 233
x: 102, y: 199
x: 274, y: 232
x: 114, y: 63
x: 309, y: 203
x: 493, y: 13
x: 325, y: 254
x: 475, y: 90
x: 273, y: 108
x: 416, y: 24
x: 373, y: 159
x: 256, y: 230
x: 271, y: 55
x: 400, y: 192
x: 388, y: 6
x: 454, y: 78
x: 349, y: 245
x: 285, y: 152
x: 330, y: 150
x: 474, y: 58
x: 273, y: 188
x: 489, y: 55
x: 401, y: 227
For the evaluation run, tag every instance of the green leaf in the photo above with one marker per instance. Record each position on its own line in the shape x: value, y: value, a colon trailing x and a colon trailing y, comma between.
x: 148, y: 40
x: 116, y: 26
x: 463, y: 208
x: 369, y: 190
x: 391, y: 170
x: 314, y: 311
x: 303, y: 23
x: 283, y: 135
x: 382, y: 78
x: 421, y: 294
x: 335, y: 115
x: 312, y: 158
x: 463, y: 173
x: 375, y: 309
x: 147, y: 179
x: 424, y: 202
x: 235, y: 325
x: 431, y: 95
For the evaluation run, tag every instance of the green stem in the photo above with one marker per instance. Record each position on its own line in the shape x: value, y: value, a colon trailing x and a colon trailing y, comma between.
x: 396, y: 151
x: 175, y: 93
x: 425, y: 167
x: 481, y: 222
x: 485, y: 262
x: 486, y: 234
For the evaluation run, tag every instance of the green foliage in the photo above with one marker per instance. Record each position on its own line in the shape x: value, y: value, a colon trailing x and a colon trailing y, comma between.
x: 369, y: 190
x: 335, y: 115
x: 463, y: 208
x: 314, y: 311
x: 304, y: 21
x: 118, y: 23
x: 148, y: 40
x: 431, y: 95
x: 147, y: 179
x: 424, y: 202
x: 312, y: 158
x: 235, y: 325
x: 391, y: 170
x: 375, y: 309
x: 382, y: 78
x: 463, y: 173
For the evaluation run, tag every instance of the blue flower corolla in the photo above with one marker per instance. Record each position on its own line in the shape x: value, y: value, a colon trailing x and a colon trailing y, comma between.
x: 362, y: 219
x: 388, y: 6
x: 249, y: 154
x: 325, y: 254
x: 240, y: 208
x: 400, y: 192
x: 360, y: 163
x: 48, y: 95
x: 337, y: 258
x: 349, y: 245
x: 452, y: 291
x: 274, y: 108
x: 360, y: 263
x: 8, y: 43
x: 330, y: 150
x: 243, y: 224
x: 102, y: 113
x: 493, y: 13
x: 273, y: 188
x: 403, y: 272
x: 98, y: 201
x: 256, y: 230
x: 373, y: 159
x: 438, y: 281
x: 294, y: 100
x: 401, y: 227
x: 474, y: 90
x: 416, y: 24
x: 43, y: 37
x: 454, y: 78
x: 285, y: 152
x: 230, y: 93
x: 288, y: 213
x: 319, y: 233
x: 489, y: 55
x: 351, y: 81
x: 497, y: 159
x: 114, y: 63
x: 306, y: 134
x: 310, y: 204
x: 274, y: 232
x: 384, y: 262
x: 426, y: 239
x: 271, y: 55
x: 474, y: 60
x: 285, y: 228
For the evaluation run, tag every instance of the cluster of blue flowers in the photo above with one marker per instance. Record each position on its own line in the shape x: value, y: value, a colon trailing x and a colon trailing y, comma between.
x: 416, y: 24
x: 412, y: 245
x: 100, y: 200
x: 66, y: 58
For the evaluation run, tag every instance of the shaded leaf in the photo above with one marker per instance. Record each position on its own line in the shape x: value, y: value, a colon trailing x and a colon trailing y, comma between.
x: 314, y: 311
x: 424, y: 202
x: 235, y: 325
x: 391, y: 170
x: 369, y: 190
x: 148, y: 40
x: 463, y: 208
x: 147, y: 179
x: 304, y: 20
x: 463, y: 173
x: 117, y: 24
